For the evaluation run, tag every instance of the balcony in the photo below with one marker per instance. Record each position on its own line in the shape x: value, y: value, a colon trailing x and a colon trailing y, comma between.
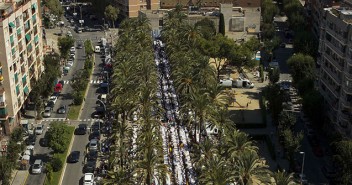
x: 3, y: 113
x: 347, y: 89
x: 23, y: 70
x: 345, y: 116
x: 348, y: 75
x: 30, y: 61
x: 336, y: 78
x: 25, y: 16
x: 37, y: 51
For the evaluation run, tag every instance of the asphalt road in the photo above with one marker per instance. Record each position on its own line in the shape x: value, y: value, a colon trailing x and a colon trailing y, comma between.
x: 42, y: 153
x: 74, y: 171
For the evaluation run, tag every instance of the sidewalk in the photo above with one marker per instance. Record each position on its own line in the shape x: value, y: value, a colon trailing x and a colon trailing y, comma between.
x: 20, y: 177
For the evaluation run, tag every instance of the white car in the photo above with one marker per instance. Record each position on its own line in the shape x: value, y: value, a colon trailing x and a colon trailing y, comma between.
x: 37, y: 166
x: 47, y: 112
x: 69, y: 63
x: 53, y: 99
x: 72, y: 50
x: 93, y: 144
x: 69, y: 34
x: 88, y: 179
x: 39, y: 129
x: 72, y: 55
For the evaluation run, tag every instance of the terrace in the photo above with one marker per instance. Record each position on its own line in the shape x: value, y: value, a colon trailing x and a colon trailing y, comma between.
x: 9, y: 6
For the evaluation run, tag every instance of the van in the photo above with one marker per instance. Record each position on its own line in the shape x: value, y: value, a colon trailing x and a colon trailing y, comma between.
x: 226, y: 83
x: 97, y: 49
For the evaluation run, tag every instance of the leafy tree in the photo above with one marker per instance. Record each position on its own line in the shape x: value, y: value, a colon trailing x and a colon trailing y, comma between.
x: 88, y: 48
x: 343, y: 158
x: 286, y: 120
x: 305, y: 43
x: 58, y: 137
x: 274, y: 75
x: 268, y: 31
x: 17, y: 134
x: 252, y: 44
x: 274, y: 96
x: 55, y: 7
x: 269, y: 10
x: 207, y: 28
x: 56, y: 163
x: 222, y: 24
x: 301, y: 67
x: 313, y: 106
x: 65, y: 44
x: 49, y: 171
x: 111, y: 13
x: 292, y: 143
x: 6, y: 168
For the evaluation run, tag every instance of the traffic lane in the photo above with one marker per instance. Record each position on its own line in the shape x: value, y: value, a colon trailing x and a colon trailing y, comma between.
x: 282, y: 55
x: 65, y: 97
x: 313, y: 164
x: 74, y: 171
x: 42, y: 153
x: 90, y: 102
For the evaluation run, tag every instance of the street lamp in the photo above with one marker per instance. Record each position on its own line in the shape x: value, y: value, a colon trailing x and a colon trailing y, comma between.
x: 304, y: 155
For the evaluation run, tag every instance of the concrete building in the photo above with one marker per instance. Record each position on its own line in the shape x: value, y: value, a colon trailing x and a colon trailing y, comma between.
x: 21, y: 57
x: 130, y: 8
x: 240, y: 23
x: 335, y: 73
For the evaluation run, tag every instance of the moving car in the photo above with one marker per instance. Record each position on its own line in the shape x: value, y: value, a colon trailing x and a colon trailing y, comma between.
x: 37, y: 166
x: 62, y: 110
x: 73, y: 157
x: 39, y: 129
x: 47, y: 112
x: 81, y: 129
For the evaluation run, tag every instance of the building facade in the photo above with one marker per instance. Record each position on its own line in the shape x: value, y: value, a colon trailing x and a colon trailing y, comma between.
x: 21, y: 57
x: 335, y: 73
x: 210, y: 3
x: 130, y: 8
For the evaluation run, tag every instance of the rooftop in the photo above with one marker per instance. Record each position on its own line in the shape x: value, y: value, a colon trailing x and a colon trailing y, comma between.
x: 344, y: 13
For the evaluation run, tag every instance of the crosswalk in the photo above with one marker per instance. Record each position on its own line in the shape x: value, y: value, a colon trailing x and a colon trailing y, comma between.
x: 91, y: 82
x: 64, y: 119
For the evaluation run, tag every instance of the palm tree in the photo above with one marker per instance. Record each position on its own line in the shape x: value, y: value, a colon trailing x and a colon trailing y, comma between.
x: 283, y: 178
x: 250, y: 169
x: 118, y: 176
x: 215, y: 171
x: 238, y: 142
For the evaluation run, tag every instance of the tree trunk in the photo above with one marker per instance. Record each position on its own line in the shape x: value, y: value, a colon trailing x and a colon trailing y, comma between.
x: 200, y: 127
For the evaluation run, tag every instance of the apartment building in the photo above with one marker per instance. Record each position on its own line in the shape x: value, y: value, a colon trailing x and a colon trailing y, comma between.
x: 210, y: 3
x: 130, y: 8
x: 21, y: 57
x: 335, y: 73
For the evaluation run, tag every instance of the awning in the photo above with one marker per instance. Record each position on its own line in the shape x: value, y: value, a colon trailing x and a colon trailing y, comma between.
x: 34, y: 18
x: 29, y: 47
x: 13, y: 50
x: 11, y: 38
x: 16, y: 77
x: 19, y: 31
x: 11, y: 24
x: 28, y: 37
x: 34, y: 5
x: 26, y: 91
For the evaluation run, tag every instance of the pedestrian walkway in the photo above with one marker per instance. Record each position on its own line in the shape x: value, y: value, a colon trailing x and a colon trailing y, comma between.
x: 91, y: 82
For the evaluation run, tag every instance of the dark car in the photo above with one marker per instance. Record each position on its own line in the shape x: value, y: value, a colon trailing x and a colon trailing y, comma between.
x: 81, y: 129
x: 89, y: 167
x: 99, y: 113
x: 31, y: 139
x: 94, y: 135
x: 73, y: 157
x: 92, y: 155
x: 44, y: 142
x: 62, y: 83
x: 62, y: 110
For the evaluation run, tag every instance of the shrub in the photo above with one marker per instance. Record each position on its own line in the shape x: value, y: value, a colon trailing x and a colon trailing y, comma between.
x: 78, y: 98
x: 56, y: 164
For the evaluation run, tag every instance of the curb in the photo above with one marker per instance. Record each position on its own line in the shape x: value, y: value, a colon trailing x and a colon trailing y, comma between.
x: 68, y: 153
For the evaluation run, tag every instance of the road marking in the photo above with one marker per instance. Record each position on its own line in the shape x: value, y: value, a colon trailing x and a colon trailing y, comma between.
x: 67, y: 82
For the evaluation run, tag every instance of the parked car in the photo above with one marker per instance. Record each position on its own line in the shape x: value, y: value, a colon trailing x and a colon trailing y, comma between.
x: 89, y: 167
x: 72, y: 50
x: 73, y: 157
x: 53, y: 99
x: 93, y: 145
x: 37, y: 166
x: 62, y: 83
x: 92, y: 155
x: 95, y: 135
x: 88, y: 179
x: 69, y: 34
x: 39, y: 129
x: 50, y: 104
x: 72, y: 55
x: 31, y: 139
x: 47, y: 112
x: 81, y: 129
x: 62, y: 110
x: 69, y: 63
x: 99, y: 113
